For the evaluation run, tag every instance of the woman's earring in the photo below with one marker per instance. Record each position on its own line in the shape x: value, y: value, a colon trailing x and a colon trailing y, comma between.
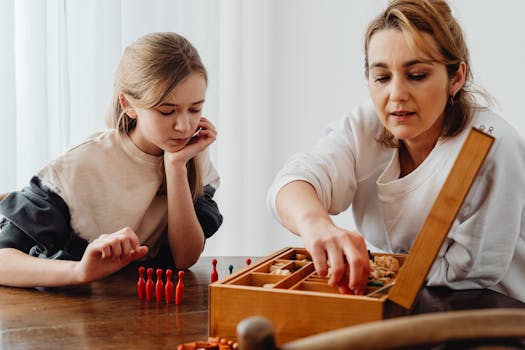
x: 451, y: 100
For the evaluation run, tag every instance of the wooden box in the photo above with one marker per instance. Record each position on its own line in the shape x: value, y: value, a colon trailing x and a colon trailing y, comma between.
x: 302, y: 303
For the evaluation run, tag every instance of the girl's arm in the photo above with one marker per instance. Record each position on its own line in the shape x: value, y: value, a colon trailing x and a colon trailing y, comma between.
x: 17, y: 269
x: 185, y: 234
x: 104, y: 256
x: 301, y: 211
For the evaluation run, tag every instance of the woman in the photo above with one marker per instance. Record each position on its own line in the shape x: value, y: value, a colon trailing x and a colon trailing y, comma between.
x: 389, y: 159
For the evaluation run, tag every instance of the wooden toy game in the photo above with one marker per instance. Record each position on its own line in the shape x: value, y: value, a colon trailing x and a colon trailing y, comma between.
x: 285, y: 288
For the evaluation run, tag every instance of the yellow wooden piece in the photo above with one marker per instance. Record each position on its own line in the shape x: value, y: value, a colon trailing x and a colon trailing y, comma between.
x: 440, y: 219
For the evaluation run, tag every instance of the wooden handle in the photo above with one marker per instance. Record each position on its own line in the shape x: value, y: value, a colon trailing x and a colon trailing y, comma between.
x: 444, y: 210
x: 418, y: 330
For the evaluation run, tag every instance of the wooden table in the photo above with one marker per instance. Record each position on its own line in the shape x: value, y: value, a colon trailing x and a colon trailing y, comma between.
x: 107, y: 314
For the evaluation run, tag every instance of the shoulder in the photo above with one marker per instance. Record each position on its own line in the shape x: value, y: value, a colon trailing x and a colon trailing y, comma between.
x: 506, y: 137
x: 98, y: 141
x: 79, y: 160
x: 507, y: 153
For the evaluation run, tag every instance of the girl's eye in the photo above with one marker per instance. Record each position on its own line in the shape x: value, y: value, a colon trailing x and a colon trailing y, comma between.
x: 170, y: 112
x: 195, y: 111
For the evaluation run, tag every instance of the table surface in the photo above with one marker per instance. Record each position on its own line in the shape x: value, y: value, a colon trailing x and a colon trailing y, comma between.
x: 108, y: 315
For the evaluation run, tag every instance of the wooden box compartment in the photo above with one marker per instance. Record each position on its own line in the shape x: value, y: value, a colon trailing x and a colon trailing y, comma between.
x: 300, y: 303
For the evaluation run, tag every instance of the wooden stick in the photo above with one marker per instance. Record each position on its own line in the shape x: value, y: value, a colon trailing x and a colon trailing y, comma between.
x: 435, y: 229
x: 416, y: 330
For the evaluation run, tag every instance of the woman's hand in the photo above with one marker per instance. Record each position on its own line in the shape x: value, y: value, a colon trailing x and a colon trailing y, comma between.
x: 108, y: 254
x: 301, y: 211
x: 339, y: 251
x: 203, y: 137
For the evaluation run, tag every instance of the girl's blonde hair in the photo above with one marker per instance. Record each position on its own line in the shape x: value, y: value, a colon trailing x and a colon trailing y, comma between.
x: 147, y: 74
x: 434, y: 17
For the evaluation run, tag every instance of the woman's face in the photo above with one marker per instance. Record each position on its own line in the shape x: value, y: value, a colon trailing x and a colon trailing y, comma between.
x: 408, y: 88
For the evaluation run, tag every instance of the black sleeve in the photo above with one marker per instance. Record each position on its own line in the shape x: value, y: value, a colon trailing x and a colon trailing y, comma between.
x: 208, y: 212
x: 37, y: 222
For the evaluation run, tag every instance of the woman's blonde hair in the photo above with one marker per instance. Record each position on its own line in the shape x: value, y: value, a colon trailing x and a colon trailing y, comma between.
x: 434, y: 17
x: 148, y: 72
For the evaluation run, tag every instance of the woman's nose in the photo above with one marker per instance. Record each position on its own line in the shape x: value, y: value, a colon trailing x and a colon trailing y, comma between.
x: 398, y: 90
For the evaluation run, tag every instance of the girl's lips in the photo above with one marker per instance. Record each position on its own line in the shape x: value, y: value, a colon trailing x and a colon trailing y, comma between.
x: 181, y: 141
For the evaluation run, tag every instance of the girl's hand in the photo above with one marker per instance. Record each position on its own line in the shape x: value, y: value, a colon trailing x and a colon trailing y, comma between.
x: 108, y: 254
x: 202, y: 138
x: 340, y: 251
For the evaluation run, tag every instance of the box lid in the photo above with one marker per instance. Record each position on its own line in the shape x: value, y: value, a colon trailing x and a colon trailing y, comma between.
x: 425, y: 248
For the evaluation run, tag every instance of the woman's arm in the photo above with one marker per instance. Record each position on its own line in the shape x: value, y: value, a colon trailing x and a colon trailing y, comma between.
x: 301, y: 211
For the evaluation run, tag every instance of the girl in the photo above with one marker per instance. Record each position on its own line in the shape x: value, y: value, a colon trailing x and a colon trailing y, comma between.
x: 389, y: 159
x: 123, y: 193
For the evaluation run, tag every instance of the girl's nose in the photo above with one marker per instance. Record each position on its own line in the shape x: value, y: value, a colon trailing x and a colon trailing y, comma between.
x: 182, y: 122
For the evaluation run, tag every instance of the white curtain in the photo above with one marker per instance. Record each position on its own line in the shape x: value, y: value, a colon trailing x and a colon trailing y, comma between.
x: 279, y: 71
x: 57, y: 74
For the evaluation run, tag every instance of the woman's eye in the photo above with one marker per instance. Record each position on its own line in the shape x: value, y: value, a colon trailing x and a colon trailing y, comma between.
x: 195, y: 111
x: 381, y: 78
x: 170, y: 112
x: 417, y: 76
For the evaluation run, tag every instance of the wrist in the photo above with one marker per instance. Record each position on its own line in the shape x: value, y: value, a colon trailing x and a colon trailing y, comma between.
x: 76, y: 275
x: 314, y: 222
x: 176, y: 168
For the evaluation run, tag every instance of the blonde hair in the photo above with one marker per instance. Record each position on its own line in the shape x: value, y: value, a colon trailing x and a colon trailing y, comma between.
x: 148, y: 72
x: 434, y: 17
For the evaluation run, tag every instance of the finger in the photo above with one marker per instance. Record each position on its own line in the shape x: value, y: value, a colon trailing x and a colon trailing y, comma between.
x: 138, y: 253
x: 207, y: 125
x: 208, y: 134
x: 319, y: 258
x: 115, y: 246
x: 343, y: 284
x: 105, y: 251
x: 207, y: 121
x: 337, y: 265
x: 359, y: 267
x: 127, y: 247
x: 131, y: 237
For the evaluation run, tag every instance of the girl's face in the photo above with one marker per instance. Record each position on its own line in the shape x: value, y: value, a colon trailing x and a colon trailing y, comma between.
x: 408, y: 88
x: 170, y: 126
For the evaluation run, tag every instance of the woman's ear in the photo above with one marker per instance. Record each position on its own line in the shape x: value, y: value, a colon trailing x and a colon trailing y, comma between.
x: 130, y: 111
x: 458, y: 80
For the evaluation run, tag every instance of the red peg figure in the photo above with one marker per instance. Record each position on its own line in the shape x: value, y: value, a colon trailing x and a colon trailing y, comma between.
x: 214, y: 274
x: 149, y: 284
x: 248, y: 262
x: 159, y: 286
x: 141, y: 283
x: 168, y: 289
x: 179, y: 290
